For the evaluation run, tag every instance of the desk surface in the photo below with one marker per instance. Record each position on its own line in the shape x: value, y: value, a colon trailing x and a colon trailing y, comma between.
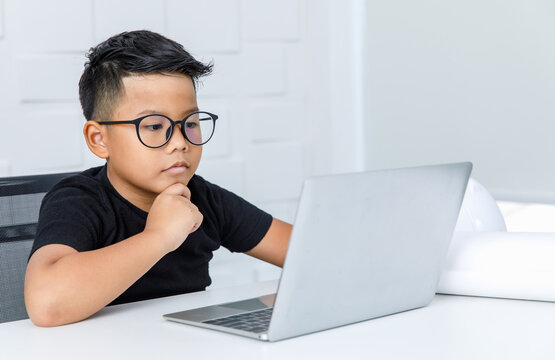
x: 451, y: 327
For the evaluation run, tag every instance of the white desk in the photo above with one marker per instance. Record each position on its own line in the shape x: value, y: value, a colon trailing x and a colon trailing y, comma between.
x: 452, y: 327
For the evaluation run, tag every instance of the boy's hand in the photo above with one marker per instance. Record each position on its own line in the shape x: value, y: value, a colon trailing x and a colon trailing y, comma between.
x: 173, y: 216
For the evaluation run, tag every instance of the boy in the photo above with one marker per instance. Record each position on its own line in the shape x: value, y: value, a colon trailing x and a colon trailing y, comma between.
x: 144, y: 225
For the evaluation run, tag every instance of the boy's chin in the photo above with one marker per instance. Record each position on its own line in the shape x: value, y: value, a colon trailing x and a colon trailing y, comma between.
x: 183, y: 181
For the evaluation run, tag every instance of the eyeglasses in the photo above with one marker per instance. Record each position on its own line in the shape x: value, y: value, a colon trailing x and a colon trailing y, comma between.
x: 155, y: 130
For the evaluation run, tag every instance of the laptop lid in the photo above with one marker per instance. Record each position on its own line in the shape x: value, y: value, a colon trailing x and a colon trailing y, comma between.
x: 366, y: 245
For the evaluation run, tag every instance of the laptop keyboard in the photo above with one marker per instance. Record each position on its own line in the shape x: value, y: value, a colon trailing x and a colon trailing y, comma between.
x: 256, y: 321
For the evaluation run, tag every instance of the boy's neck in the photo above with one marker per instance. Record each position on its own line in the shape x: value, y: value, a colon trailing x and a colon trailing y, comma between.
x: 142, y: 200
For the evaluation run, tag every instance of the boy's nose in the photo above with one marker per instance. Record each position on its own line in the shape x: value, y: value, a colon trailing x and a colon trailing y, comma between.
x: 178, y: 140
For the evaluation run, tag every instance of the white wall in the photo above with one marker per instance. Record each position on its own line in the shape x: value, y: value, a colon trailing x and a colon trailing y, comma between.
x: 272, y: 87
x: 464, y: 80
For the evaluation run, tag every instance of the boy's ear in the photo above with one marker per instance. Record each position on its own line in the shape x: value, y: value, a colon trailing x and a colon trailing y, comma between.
x: 95, y: 137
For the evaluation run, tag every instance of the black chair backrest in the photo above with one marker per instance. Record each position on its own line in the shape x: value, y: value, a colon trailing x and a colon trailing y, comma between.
x: 20, y: 199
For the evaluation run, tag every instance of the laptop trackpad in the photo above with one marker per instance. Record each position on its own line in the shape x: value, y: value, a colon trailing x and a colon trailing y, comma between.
x: 224, y: 310
x: 258, y: 303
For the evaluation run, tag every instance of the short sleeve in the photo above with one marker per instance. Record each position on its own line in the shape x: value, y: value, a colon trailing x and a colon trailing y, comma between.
x: 241, y: 224
x: 245, y: 224
x: 69, y: 215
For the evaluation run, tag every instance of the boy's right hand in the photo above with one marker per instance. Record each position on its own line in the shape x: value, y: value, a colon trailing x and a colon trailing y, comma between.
x: 173, y: 216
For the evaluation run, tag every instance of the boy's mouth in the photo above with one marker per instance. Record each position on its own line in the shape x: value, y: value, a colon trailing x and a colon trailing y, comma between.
x: 177, y: 168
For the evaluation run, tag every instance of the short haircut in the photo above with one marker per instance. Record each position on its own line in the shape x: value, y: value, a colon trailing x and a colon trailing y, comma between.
x: 127, y: 54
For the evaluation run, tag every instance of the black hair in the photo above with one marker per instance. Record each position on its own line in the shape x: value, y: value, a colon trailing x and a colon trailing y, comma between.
x: 127, y: 54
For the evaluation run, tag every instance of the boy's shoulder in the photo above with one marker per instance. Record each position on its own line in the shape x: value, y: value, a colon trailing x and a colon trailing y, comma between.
x: 88, y: 183
x: 89, y: 178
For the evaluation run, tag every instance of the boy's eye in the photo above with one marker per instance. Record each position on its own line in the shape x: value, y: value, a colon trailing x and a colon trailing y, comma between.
x: 153, y: 127
x: 191, y: 125
x: 154, y: 123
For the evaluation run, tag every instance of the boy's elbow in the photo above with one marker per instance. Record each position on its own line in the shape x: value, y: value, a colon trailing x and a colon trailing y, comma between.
x: 42, y: 310
x: 43, y: 287
x: 43, y: 319
x: 45, y: 307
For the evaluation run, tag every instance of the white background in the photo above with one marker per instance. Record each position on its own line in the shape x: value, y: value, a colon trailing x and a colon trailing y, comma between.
x: 305, y: 87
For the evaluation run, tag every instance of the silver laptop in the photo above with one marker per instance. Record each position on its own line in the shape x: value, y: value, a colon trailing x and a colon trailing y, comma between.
x: 364, y: 245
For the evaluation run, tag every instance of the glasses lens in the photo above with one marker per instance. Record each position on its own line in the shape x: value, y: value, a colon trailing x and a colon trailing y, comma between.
x: 199, y: 128
x: 154, y: 130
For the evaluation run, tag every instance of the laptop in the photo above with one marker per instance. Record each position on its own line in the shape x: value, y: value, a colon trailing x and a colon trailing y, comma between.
x: 364, y: 245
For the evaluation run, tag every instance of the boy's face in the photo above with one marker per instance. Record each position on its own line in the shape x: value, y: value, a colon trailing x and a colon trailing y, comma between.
x: 140, y: 173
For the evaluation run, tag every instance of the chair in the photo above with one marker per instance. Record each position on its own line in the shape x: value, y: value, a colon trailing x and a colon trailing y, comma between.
x: 20, y: 199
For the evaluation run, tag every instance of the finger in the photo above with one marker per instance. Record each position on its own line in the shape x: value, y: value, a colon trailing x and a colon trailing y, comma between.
x: 196, y: 225
x: 178, y: 189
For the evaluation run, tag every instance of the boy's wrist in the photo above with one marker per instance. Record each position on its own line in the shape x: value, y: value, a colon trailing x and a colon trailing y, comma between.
x: 158, y: 240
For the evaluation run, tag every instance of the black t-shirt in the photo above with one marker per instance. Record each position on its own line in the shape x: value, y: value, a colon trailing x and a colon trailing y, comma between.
x: 86, y: 212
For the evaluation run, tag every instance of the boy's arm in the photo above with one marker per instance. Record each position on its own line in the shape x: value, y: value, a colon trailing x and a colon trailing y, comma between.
x: 64, y: 286
x: 273, y: 246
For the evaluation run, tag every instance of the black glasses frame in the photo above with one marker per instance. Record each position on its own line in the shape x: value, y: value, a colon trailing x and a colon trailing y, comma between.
x: 136, y: 122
